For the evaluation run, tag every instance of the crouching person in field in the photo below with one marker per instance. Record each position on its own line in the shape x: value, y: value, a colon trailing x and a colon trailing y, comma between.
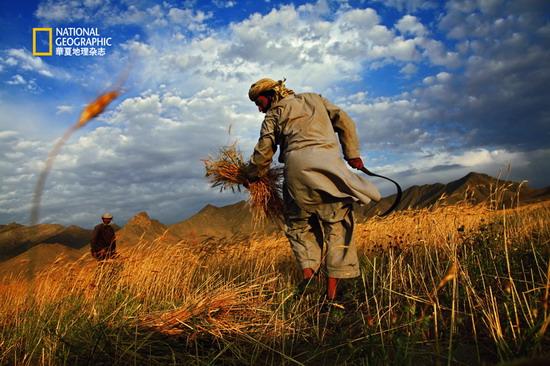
x: 319, y: 189
x: 103, y: 244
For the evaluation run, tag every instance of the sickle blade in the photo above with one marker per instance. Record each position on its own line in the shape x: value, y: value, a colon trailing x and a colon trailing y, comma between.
x: 397, y: 197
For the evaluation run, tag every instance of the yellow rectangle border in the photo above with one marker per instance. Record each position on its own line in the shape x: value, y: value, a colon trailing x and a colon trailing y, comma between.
x: 36, y: 53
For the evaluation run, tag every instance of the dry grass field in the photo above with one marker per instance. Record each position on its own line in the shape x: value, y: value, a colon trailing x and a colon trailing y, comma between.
x: 453, y: 285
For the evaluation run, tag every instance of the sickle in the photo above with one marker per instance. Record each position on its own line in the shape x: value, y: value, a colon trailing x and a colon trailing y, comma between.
x: 397, y: 197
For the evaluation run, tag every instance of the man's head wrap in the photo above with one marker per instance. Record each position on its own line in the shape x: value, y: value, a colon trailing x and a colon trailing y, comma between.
x: 264, y: 85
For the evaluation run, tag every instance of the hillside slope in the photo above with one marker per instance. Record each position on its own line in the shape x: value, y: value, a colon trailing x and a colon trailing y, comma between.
x: 226, y: 221
x: 16, y: 239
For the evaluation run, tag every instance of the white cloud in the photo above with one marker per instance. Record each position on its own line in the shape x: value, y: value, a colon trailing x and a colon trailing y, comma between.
x: 188, y: 89
x: 410, y: 6
x: 298, y: 43
x: 438, y: 54
x: 481, y: 156
x: 362, y: 18
x: 428, y: 80
x: 409, y: 25
x: 311, y: 44
x: 17, y: 80
x: 146, y: 15
x: 193, y: 20
x: 443, y: 76
x: 59, y: 11
x: 61, y: 109
x: 409, y: 69
x: 92, y: 3
x: 224, y: 4
x: 26, y: 61
x: 147, y: 158
x: 437, y: 165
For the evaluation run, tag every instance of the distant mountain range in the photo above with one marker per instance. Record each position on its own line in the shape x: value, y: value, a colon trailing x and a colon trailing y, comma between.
x: 474, y: 188
x: 24, y: 248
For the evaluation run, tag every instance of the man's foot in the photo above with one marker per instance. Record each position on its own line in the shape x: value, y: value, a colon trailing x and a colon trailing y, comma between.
x: 332, y: 286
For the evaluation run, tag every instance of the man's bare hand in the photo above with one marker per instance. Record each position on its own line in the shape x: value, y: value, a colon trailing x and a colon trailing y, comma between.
x: 356, y: 163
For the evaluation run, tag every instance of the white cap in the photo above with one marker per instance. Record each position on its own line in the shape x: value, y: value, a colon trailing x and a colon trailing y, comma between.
x: 107, y: 215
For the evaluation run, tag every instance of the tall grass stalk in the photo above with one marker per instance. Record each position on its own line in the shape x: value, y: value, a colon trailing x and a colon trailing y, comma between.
x: 448, y: 285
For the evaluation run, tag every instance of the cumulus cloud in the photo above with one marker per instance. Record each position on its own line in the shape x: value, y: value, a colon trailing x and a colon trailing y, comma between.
x: 497, y: 101
x: 24, y: 60
x: 147, y: 158
x: 313, y: 55
x: 500, y: 96
x: 479, y: 103
x: 145, y: 14
x: 410, y: 6
x: 409, y: 25
x: 313, y: 49
x: 409, y: 69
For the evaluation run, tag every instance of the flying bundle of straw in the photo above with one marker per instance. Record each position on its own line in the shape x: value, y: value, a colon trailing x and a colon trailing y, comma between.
x: 227, y: 171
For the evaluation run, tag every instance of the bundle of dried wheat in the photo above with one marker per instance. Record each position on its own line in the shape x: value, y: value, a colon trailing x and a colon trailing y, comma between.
x: 227, y: 171
x: 220, y: 311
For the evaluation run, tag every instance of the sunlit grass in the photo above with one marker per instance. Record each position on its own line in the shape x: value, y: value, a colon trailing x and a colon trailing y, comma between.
x: 451, y: 285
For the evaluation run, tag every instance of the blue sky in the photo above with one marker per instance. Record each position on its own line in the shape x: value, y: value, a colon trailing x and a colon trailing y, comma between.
x: 437, y: 89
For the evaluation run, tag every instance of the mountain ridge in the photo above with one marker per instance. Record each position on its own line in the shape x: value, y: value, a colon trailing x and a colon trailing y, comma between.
x: 19, y: 242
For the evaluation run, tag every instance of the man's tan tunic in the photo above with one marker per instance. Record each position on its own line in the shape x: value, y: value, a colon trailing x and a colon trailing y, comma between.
x: 304, y: 126
x: 319, y: 186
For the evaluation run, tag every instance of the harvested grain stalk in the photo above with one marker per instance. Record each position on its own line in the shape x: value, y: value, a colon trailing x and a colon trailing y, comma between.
x: 227, y: 171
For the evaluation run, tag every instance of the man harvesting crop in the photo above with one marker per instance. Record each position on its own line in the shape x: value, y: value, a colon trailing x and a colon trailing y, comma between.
x: 318, y: 187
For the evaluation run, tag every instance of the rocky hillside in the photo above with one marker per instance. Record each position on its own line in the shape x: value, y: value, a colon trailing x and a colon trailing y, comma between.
x: 142, y: 229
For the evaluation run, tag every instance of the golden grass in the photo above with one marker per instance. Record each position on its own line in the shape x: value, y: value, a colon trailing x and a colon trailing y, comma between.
x: 431, y: 275
x: 228, y: 171
x: 437, y: 226
x: 223, y: 311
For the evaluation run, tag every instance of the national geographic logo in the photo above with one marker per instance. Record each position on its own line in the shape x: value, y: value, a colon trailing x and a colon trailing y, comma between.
x: 69, y: 41
x: 39, y: 32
